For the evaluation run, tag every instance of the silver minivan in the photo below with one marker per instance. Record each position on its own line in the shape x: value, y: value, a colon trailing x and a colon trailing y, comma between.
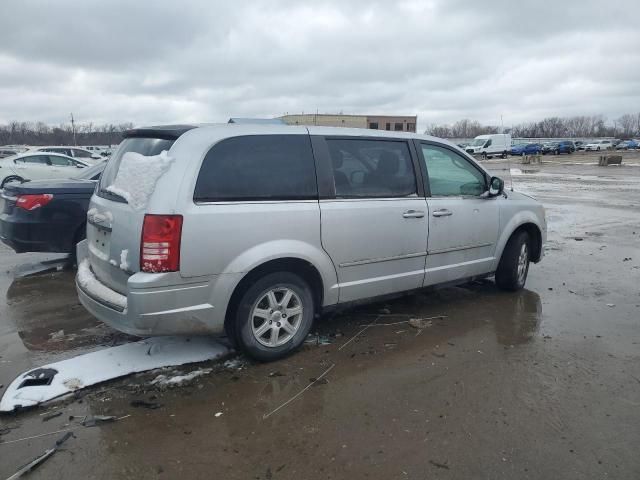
x: 254, y: 230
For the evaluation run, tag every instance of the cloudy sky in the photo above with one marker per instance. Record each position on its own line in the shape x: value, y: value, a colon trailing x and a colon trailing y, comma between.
x: 185, y: 61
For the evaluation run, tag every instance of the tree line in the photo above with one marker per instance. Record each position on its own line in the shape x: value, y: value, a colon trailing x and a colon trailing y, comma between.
x: 625, y: 127
x: 39, y: 133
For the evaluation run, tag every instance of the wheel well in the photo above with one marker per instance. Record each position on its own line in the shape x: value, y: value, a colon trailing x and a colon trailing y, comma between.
x: 294, y: 265
x: 535, y: 237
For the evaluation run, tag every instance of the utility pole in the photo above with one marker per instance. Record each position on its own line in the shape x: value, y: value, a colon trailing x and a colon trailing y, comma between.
x: 73, y: 128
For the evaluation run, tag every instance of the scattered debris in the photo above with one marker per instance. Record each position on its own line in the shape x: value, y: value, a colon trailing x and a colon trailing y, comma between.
x: 627, y: 259
x: 145, y: 404
x: 420, y: 323
x: 318, y: 381
x: 234, y: 363
x: 56, y: 335
x: 439, y: 465
x: 578, y: 239
x: 177, y: 380
x: 439, y: 355
x: 49, y: 416
x: 611, y: 305
x: 276, y: 374
x: 218, y: 414
x: 267, y: 415
x: 385, y: 311
x: 39, y: 460
x: 93, y: 420
x: 317, y: 339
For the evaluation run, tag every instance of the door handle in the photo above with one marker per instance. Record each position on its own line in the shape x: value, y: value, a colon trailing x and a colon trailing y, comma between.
x: 442, y: 213
x: 413, y: 214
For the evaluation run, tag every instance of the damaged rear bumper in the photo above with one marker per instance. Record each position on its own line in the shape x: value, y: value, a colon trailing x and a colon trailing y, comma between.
x: 153, y: 310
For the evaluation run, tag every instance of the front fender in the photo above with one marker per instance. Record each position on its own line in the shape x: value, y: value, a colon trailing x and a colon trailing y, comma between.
x: 517, y: 220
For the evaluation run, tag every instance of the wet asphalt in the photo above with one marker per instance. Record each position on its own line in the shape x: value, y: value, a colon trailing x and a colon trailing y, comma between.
x: 543, y: 383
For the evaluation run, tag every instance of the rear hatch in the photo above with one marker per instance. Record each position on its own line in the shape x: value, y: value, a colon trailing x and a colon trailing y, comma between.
x: 115, y: 219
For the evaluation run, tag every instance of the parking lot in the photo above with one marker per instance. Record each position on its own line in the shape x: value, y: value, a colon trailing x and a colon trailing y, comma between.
x: 542, y: 383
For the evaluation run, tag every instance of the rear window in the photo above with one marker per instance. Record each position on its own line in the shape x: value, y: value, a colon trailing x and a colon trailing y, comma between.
x: 143, y: 146
x: 258, y: 167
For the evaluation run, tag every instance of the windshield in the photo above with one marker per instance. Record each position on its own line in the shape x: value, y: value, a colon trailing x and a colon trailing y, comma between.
x: 478, y: 142
x: 89, y: 173
x: 144, y: 146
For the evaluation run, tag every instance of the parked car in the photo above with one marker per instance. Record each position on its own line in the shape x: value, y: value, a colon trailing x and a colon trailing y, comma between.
x: 579, y: 145
x: 489, y: 145
x: 599, y: 145
x: 5, y: 152
x: 37, y: 166
x: 526, y: 149
x: 557, y: 148
x: 255, y: 230
x: 47, y: 215
x: 627, y: 145
x: 74, y: 152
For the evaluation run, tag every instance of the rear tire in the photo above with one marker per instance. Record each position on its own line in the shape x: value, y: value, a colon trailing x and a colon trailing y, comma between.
x: 484, y: 155
x: 513, y: 268
x: 11, y: 178
x: 274, y: 316
x: 504, y: 154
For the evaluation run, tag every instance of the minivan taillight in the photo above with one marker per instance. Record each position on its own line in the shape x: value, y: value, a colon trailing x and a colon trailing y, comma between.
x: 31, y: 202
x: 160, y: 243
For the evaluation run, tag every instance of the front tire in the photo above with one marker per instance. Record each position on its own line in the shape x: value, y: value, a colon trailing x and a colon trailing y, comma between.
x: 484, y: 155
x: 513, y: 268
x: 274, y: 316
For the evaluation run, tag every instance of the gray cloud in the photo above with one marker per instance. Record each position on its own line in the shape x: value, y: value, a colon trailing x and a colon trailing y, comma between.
x: 159, y: 61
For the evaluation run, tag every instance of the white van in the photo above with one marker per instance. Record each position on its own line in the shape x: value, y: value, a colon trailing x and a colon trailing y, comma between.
x: 489, y: 145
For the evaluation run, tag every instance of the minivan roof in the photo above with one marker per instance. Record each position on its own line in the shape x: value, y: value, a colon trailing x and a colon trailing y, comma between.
x: 172, y: 132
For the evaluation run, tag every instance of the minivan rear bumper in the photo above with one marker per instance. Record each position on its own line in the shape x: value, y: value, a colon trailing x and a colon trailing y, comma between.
x: 167, y: 310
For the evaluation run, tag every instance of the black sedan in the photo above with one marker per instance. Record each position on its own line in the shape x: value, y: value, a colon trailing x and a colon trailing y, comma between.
x: 47, y: 215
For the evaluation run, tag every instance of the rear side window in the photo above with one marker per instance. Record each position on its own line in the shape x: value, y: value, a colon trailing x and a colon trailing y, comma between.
x: 371, y: 168
x: 60, y: 161
x: 39, y: 159
x: 258, y: 167
x: 143, y: 146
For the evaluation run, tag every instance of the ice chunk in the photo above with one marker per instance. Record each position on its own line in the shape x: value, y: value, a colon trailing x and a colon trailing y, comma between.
x: 137, y: 177
x: 164, y: 380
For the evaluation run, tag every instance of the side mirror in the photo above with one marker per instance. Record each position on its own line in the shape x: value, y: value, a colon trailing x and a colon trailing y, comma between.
x: 496, y: 186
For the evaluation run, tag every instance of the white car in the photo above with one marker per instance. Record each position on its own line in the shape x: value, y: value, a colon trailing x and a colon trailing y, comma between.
x: 599, y: 145
x: 74, y: 152
x: 38, y: 166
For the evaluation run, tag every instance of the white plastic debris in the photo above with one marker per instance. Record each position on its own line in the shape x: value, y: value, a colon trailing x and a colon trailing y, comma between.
x: 51, y: 381
x: 137, y: 177
x: 218, y: 414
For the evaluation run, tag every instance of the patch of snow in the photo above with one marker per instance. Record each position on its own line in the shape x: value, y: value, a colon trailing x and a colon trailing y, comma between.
x: 109, y: 363
x: 109, y: 216
x: 124, y: 264
x: 92, y: 211
x: 88, y: 281
x: 137, y: 177
x: 234, y: 364
x: 166, y: 381
x: 113, y: 262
